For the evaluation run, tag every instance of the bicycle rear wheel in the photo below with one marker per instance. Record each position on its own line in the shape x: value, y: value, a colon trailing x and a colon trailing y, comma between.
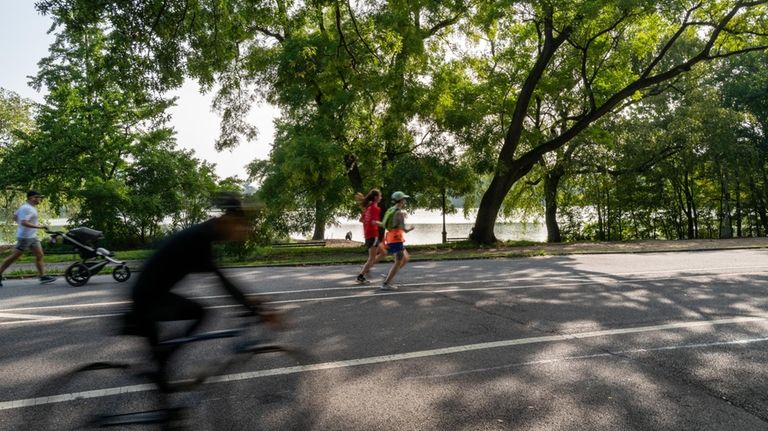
x: 265, y: 387
x: 91, y: 396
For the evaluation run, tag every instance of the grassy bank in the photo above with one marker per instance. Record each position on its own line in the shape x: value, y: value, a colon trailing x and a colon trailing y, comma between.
x: 330, y: 255
x: 354, y: 253
x: 297, y: 256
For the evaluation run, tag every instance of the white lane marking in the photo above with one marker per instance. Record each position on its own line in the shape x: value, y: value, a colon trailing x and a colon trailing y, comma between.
x: 96, y: 393
x: 25, y: 316
x: 283, y: 292
x: 596, y: 355
x: 54, y: 319
x: 575, y: 281
x: 372, y: 292
x: 14, y: 404
x: 67, y: 306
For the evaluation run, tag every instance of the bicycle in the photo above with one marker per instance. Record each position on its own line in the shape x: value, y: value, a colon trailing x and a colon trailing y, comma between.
x: 279, y: 396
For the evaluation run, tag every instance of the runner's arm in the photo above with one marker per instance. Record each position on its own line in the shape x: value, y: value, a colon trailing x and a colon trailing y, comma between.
x: 29, y: 224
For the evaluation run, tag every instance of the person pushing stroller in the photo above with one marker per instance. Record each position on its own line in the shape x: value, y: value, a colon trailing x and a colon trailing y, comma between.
x: 26, y: 237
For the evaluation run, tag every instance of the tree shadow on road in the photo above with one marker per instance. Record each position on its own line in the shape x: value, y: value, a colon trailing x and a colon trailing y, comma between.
x: 673, y: 379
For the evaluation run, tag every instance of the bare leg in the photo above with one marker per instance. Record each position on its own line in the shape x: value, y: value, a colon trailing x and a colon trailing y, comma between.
x: 10, y: 259
x: 38, y: 251
x: 374, y: 256
x: 400, y: 261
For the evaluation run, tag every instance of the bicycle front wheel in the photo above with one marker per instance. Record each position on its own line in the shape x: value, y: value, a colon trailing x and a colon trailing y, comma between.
x: 266, y: 387
x: 94, y: 396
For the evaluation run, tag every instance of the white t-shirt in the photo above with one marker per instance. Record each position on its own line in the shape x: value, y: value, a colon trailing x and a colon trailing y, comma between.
x: 29, y: 213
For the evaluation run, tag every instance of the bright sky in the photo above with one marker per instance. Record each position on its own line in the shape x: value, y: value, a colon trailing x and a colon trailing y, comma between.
x: 24, y: 41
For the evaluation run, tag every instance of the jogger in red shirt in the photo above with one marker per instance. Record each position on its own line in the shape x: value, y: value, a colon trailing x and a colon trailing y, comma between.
x: 371, y: 217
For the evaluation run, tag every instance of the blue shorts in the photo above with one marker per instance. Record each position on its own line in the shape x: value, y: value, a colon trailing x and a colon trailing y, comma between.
x: 395, y: 247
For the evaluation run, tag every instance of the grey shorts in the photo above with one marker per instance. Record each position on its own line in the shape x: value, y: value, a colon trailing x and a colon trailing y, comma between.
x: 27, y: 244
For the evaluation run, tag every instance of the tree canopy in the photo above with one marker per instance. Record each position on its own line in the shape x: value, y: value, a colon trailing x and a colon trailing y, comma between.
x: 577, y: 107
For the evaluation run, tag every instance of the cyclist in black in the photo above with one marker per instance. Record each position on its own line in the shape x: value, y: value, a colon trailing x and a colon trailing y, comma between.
x: 186, y: 252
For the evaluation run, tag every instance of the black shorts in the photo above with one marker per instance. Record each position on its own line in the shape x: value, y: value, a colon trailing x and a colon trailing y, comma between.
x: 168, y: 307
x: 371, y: 242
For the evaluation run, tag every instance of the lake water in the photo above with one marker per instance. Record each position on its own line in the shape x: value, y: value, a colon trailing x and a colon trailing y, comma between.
x: 429, y: 228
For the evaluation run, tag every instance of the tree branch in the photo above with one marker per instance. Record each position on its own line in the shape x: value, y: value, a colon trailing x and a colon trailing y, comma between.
x: 342, y: 40
x: 441, y: 25
x: 671, y: 41
x: 641, y: 83
x: 280, y: 38
x: 514, y: 131
x: 357, y: 31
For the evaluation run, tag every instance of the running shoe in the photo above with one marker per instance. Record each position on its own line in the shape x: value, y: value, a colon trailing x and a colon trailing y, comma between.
x: 47, y: 279
x: 362, y: 280
x: 388, y: 286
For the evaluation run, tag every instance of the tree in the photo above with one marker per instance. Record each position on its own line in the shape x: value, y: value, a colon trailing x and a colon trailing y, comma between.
x: 101, y: 142
x: 356, y: 74
x: 302, y: 184
x: 17, y: 116
x: 625, y: 50
x: 17, y: 121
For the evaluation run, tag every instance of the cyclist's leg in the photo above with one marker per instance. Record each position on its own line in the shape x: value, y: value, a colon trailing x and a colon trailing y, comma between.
x: 169, y: 308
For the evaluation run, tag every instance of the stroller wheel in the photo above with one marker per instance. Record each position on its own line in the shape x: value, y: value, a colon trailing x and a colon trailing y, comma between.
x: 77, y: 274
x: 121, y: 273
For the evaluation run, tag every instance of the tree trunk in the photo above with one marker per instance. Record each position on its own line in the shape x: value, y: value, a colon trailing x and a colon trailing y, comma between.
x: 759, y: 207
x: 492, y: 199
x: 551, y: 183
x: 689, y: 213
x: 608, y: 219
x: 353, y: 173
x: 319, y: 232
x: 726, y: 230
x: 738, y: 209
x: 600, y: 223
x: 763, y: 216
x: 689, y: 208
x: 320, y: 220
x: 490, y: 204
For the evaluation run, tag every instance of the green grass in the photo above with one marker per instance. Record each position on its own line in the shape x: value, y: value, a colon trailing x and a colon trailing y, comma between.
x: 300, y: 256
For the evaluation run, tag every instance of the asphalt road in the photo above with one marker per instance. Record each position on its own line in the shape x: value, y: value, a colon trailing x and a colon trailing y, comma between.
x: 658, y: 341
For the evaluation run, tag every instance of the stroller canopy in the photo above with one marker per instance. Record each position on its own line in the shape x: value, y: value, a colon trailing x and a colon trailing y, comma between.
x: 85, y: 234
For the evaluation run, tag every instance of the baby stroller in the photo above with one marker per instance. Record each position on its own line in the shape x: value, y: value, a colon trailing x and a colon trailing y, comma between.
x: 94, y: 258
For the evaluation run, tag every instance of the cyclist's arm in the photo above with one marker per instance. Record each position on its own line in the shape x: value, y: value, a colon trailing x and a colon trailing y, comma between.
x: 252, y: 303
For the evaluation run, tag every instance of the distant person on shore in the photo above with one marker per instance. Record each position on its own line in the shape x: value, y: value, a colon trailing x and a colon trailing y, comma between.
x: 394, y: 223
x: 371, y: 218
x: 26, y: 237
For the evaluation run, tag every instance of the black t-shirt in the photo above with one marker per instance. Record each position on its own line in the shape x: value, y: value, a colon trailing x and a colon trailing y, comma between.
x: 185, y: 252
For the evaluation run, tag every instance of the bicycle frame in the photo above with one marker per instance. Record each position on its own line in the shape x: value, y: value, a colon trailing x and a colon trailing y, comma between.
x: 168, y: 416
x: 221, y: 394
